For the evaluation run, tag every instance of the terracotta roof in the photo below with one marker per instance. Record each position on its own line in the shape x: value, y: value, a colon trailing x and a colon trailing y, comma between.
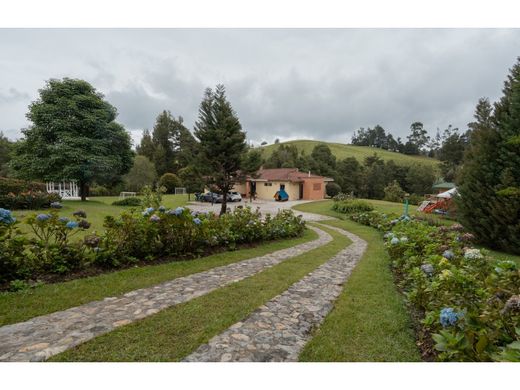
x: 284, y: 174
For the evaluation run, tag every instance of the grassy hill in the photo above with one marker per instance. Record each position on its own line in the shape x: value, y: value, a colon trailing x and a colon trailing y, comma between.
x: 342, y: 151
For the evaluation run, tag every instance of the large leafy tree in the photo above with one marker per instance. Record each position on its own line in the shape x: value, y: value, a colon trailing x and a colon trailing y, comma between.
x: 489, y: 183
x: 141, y: 174
x: 418, y: 137
x: 73, y: 136
x: 451, y: 152
x: 222, y: 141
x: 170, y: 146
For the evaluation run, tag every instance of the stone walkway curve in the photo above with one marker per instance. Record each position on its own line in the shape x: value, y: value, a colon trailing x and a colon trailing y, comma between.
x: 41, y: 337
x: 278, y: 330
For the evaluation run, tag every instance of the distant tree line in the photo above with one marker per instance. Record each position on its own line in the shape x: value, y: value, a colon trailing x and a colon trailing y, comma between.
x: 367, y: 179
x: 448, y: 147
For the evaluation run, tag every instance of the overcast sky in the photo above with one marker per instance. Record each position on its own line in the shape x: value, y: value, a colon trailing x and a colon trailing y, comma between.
x: 287, y: 84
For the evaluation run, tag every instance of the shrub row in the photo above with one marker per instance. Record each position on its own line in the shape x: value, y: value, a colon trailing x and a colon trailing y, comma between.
x: 28, y: 200
x: 349, y: 206
x: 468, y: 303
x: 134, y: 236
x: 15, y: 186
x: 130, y: 201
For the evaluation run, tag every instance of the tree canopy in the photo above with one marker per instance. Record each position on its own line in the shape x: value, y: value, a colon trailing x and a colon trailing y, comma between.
x: 73, y: 136
x: 222, y: 141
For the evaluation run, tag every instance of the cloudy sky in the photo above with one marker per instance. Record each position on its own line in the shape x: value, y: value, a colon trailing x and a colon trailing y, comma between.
x: 287, y: 84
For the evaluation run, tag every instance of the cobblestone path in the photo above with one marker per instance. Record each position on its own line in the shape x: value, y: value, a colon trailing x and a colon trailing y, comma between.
x: 44, y: 336
x: 278, y: 330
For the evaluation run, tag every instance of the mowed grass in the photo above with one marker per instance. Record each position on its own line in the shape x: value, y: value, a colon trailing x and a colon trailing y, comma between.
x: 342, y: 151
x: 369, y: 321
x: 97, y: 208
x: 23, y: 305
x: 176, y: 332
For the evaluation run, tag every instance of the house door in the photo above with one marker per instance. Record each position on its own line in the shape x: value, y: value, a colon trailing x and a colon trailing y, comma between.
x: 301, y: 191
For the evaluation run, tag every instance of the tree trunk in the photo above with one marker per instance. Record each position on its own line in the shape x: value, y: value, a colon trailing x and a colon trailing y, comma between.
x: 224, y: 204
x: 83, y: 190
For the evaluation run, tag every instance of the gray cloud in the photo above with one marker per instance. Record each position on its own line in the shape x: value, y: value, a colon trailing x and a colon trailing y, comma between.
x: 320, y: 84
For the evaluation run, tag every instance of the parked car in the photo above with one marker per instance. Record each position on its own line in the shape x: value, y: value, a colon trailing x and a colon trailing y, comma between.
x: 210, y: 197
x: 234, y: 196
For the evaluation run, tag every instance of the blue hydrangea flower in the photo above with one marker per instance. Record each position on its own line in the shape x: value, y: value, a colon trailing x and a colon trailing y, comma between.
x: 194, y: 213
x: 43, y: 217
x: 148, y: 211
x: 155, y: 218
x: 427, y: 269
x: 71, y: 225
x: 179, y: 210
x: 449, y: 317
x: 6, y: 217
x: 448, y: 254
x: 389, y: 235
x: 63, y: 219
x: 394, y: 241
x: 162, y: 209
x: 196, y: 221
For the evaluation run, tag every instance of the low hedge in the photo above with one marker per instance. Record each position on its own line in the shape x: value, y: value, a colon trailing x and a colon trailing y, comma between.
x: 467, y: 304
x: 131, y: 201
x: 350, y: 206
x: 15, y: 186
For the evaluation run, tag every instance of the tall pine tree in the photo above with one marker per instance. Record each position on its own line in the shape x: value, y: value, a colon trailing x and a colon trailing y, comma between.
x: 489, y: 183
x: 222, y: 141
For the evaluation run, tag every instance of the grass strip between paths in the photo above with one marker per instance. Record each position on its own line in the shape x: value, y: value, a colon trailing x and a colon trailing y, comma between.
x: 369, y: 321
x: 21, y: 306
x: 176, y: 332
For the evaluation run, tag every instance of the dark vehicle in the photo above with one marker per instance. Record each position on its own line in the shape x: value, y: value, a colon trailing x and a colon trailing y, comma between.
x: 210, y: 197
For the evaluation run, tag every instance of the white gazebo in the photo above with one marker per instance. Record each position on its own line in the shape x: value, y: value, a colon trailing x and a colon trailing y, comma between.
x: 66, y: 189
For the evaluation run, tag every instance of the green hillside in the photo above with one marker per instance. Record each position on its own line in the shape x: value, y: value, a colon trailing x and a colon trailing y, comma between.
x: 342, y: 151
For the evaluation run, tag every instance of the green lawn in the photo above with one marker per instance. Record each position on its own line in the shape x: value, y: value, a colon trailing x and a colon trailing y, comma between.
x: 174, y: 333
x: 369, y: 321
x: 23, y: 305
x: 97, y: 208
x: 342, y: 151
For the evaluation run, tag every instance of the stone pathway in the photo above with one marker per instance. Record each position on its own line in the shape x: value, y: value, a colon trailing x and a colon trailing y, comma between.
x: 278, y: 330
x: 44, y: 336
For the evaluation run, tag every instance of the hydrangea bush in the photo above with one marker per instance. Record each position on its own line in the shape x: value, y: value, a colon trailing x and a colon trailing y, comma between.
x: 145, y: 235
x: 468, y: 303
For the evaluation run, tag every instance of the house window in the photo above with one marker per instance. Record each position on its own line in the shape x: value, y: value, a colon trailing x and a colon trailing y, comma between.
x: 268, y: 184
x: 316, y: 186
x: 282, y: 186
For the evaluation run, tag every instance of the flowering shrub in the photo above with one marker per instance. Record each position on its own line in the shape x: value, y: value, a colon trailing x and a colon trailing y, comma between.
x: 28, y: 200
x: 468, y: 303
x: 147, y: 235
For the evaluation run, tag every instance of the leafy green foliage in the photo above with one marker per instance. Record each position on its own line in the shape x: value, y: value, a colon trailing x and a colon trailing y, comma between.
x: 170, y: 146
x: 141, y: 174
x: 469, y: 304
x: 133, y: 236
x: 489, y: 182
x: 350, y: 206
x: 222, y: 141
x: 332, y: 189
x: 169, y: 181
x: 394, y: 192
x: 73, y: 136
x: 6, y: 148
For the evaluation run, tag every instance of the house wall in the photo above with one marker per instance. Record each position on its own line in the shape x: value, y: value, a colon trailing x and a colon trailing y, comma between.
x: 240, y: 188
x: 267, y: 192
x: 313, y: 188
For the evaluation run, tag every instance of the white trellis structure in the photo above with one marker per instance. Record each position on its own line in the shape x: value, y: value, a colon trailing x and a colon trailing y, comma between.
x: 65, y: 189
